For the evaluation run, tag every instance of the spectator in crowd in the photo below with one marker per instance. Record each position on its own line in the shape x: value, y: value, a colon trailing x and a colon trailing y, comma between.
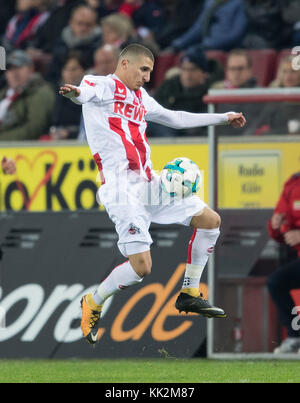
x: 46, y: 37
x: 82, y: 34
x: 284, y: 227
x: 67, y: 115
x: 22, y: 27
x: 238, y: 74
x: 180, y: 17
x: 184, y: 91
x: 117, y: 30
x: 221, y: 25
x: 105, y: 60
x: 291, y: 16
x: 287, y: 76
x: 280, y: 118
x: 26, y: 103
x: 266, y: 27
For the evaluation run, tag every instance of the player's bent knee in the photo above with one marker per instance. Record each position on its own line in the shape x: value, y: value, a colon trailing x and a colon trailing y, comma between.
x: 209, y: 219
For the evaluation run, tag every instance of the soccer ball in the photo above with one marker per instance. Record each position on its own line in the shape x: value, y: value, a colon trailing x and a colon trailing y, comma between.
x: 180, y: 178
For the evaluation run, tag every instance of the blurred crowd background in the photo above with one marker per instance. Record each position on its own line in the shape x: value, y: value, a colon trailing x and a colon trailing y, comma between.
x: 198, y: 45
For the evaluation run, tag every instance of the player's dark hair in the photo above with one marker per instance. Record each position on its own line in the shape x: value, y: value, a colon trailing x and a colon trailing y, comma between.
x: 136, y: 50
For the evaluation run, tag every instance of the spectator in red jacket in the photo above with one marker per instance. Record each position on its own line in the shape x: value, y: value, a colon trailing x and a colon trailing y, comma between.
x: 284, y: 227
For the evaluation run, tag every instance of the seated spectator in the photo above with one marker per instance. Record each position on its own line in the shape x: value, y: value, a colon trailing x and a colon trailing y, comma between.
x: 184, y: 91
x: 287, y: 76
x: 221, y: 25
x: 291, y: 16
x: 82, y: 35
x: 266, y: 27
x: 66, y: 115
x: 27, y: 101
x: 284, y: 227
x: 105, y: 60
x: 238, y: 74
x: 46, y: 37
x: 280, y: 118
x: 118, y: 30
x: 22, y: 27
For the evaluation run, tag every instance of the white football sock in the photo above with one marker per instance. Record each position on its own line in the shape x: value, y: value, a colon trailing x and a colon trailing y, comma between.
x: 200, y: 247
x: 121, y: 277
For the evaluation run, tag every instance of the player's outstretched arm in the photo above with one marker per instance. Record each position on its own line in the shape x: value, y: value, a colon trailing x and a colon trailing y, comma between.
x: 79, y: 95
x: 8, y: 166
x: 186, y: 120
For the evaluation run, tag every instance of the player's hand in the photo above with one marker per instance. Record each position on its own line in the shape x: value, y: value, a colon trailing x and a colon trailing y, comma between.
x: 69, y: 91
x: 8, y: 166
x: 236, y: 120
x: 276, y: 220
x: 292, y: 237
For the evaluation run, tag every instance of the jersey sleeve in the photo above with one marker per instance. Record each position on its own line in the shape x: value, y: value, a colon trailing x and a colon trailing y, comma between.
x: 180, y: 119
x: 91, y: 90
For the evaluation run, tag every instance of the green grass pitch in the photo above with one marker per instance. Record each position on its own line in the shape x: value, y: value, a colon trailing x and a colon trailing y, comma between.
x: 148, y: 370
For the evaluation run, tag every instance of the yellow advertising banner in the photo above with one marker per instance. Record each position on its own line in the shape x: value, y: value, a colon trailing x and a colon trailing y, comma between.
x: 66, y: 178
x: 252, y: 175
x: 50, y: 178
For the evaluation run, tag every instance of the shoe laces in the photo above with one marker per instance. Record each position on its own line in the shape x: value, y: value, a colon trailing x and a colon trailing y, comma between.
x: 95, y: 316
x: 203, y: 299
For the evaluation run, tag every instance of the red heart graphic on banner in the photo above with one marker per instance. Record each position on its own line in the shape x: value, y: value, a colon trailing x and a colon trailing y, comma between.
x: 45, y: 179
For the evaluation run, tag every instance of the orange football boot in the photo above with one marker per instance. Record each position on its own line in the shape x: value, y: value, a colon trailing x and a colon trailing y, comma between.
x: 90, y: 317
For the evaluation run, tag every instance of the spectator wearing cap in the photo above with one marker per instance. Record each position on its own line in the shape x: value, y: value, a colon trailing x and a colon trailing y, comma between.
x: 221, y: 25
x: 184, y: 91
x: 26, y: 102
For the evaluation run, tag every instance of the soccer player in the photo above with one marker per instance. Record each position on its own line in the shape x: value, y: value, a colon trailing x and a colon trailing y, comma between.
x: 115, y: 110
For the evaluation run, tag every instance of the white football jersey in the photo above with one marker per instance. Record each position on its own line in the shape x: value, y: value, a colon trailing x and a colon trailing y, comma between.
x: 115, y: 123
